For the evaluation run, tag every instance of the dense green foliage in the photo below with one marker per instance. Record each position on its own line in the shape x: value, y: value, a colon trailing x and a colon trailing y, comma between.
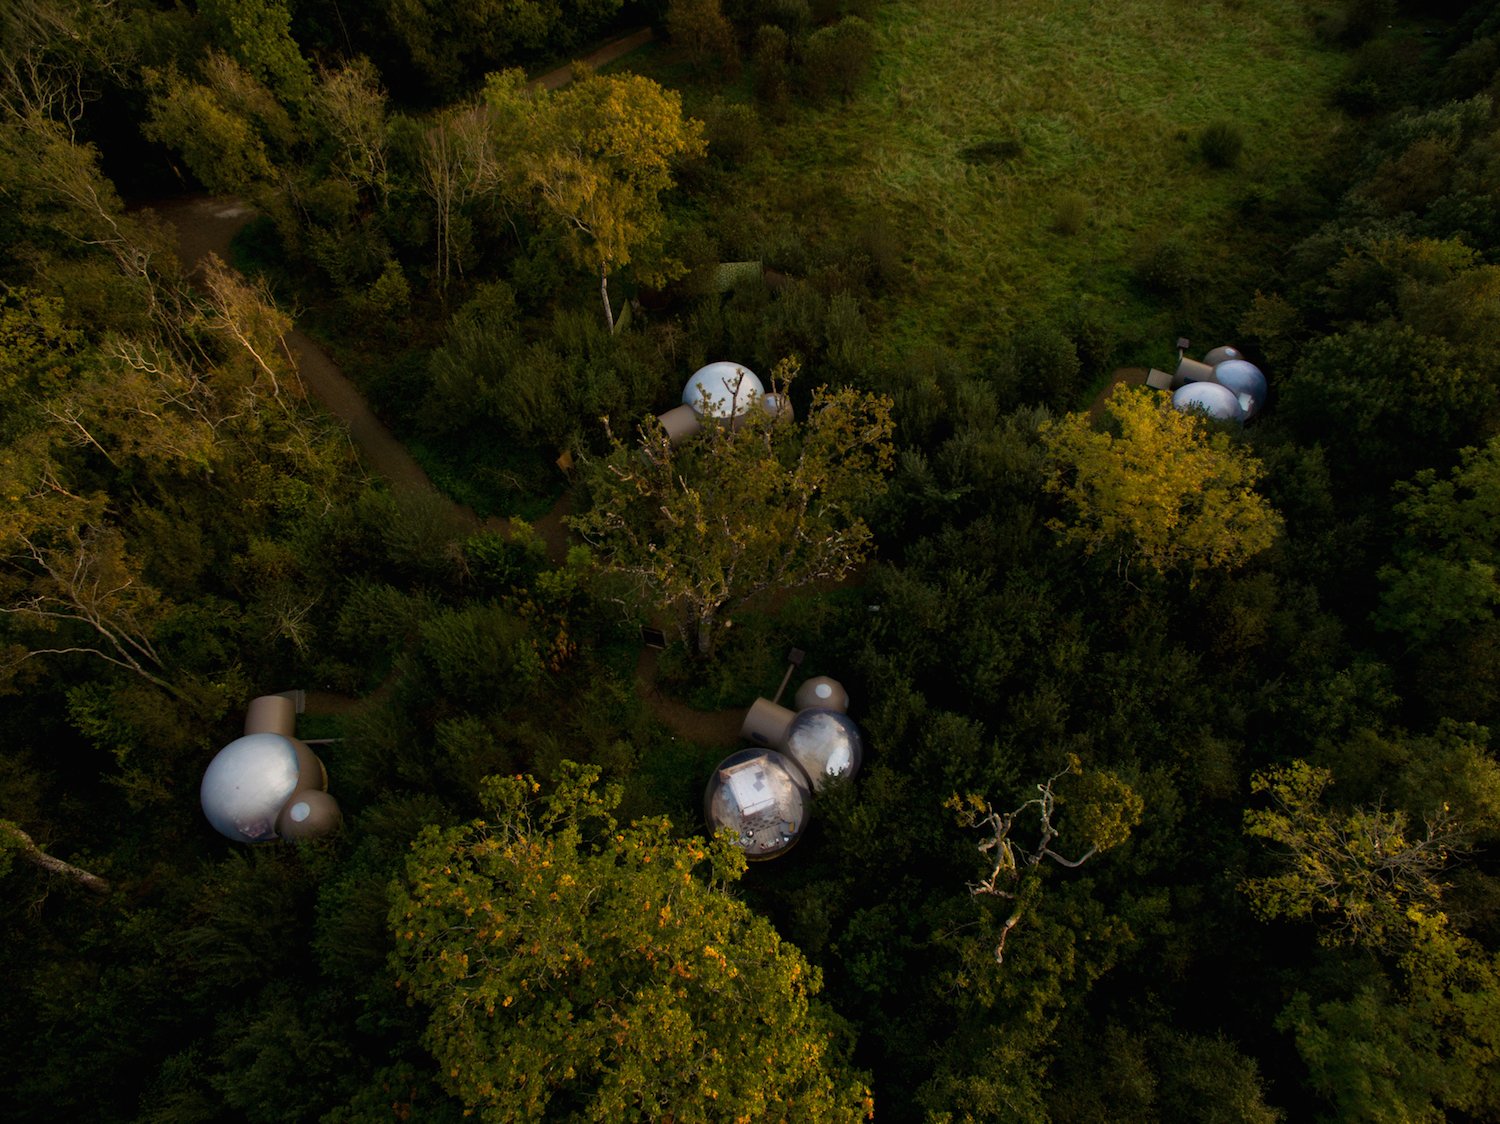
x: 765, y: 503
x: 1180, y: 797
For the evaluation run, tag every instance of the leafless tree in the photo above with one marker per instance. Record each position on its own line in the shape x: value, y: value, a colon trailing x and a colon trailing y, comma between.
x: 48, y: 51
x: 1008, y: 858
x: 452, y: 162
x: 85, y: 581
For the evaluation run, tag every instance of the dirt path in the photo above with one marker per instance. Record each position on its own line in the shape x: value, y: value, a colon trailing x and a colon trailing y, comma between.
x: 207, y: 225
x: 1131, y: 376
x: 556, y: 79
x: 377, y: 446
x: 703, y: 727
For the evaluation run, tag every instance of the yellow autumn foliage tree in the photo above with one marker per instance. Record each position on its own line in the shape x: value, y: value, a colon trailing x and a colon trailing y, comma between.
x: 581, y: 970
x: 597, y: 156
x: 1157, y: 486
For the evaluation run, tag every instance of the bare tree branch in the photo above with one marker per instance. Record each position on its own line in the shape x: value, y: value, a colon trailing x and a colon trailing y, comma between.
x: 51, y: 864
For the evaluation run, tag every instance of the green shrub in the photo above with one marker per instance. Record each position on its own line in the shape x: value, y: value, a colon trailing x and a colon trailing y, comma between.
x: 772, y: 69
x: 1071, y: 214
x: 848, y: 336
x: 1471, y: 68
x: 414, y: 530
x: 480, y: 655
x: 705, y: 36
x: 375, y: 622
x: 468, y: 750
x: 836, y: 59
x: 1388, y: 72
x: 384, y: 305
x: 498, y: 563
x: 534, y: 397
x: 1095, y: 336
x: 464, y: 374
x: 1220, y: 143
x: 1037, y: 363
x: 733, y: 131
x: 1166, y: 265
x: 794, y: 323
x: 791, y: 16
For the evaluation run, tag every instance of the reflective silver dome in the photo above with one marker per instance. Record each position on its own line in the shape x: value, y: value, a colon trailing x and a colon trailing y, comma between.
x: 1220, y: 354
x: 763, y: 797
x: 247, y: 783
x: 1209, y: 398
x: 731, y: 390
x: 1245, y: 381
x: 825, y: 743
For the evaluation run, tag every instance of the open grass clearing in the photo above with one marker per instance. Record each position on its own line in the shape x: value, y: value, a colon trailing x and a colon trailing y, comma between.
x: 982, y: 121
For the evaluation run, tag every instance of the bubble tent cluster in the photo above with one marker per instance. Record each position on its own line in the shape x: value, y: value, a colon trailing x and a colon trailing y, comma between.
x: 764, y: 793
x: 720, y: 392
x: 1225, y: 386
x: 268, y: 785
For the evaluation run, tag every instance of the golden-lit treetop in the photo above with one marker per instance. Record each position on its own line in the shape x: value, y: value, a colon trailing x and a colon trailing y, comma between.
x: 581, y: 970
x: 1158, y: 485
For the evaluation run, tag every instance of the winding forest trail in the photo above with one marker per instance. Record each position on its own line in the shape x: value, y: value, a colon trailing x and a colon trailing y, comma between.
x: 207, y: 225
x: 618, y: 48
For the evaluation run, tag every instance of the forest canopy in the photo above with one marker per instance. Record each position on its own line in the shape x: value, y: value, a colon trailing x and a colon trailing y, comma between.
x: 334, y: 341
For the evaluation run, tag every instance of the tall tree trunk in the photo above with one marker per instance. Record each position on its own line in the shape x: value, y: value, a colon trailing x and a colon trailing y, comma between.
x: 705, y: 636
x: 609, y: 313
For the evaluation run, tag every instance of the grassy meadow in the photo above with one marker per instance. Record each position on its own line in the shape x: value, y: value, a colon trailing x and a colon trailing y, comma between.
x: 1028, y: 153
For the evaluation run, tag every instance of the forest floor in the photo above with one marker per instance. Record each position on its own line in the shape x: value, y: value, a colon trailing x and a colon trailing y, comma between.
x: 1130, y: 376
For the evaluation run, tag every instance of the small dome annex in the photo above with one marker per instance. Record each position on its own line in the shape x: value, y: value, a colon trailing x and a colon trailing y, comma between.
x: 308, y: 814
x: 722, y: 390
x: 1218, y: 402
x: 248, y: 782
x: 824, y: 691
x: 826, y: 743
x: 1221, y: 354
x: 761, y: 795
